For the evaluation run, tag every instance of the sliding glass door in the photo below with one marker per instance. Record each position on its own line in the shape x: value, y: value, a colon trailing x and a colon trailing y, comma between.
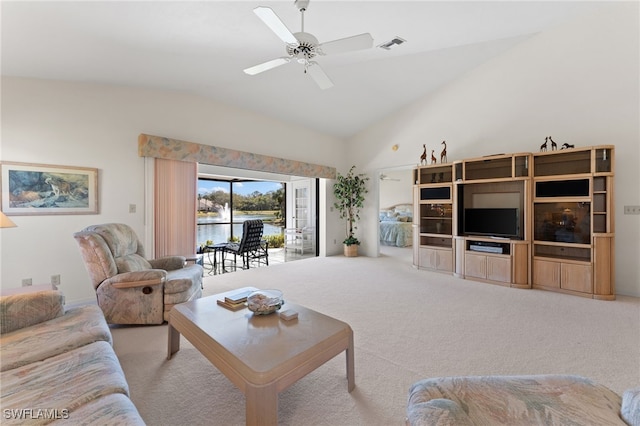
x: 224, y: 205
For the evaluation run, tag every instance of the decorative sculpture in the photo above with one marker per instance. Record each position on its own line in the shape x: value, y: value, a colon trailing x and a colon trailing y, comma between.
x: 433, y: 157
x: 543, y: 147
x: 554, y: 146
x: 567, y: 146
x: 443, y: 154
x: 423, y: 157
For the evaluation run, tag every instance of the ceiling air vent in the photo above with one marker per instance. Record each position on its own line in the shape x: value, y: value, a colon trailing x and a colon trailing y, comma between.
x: 395, y: 41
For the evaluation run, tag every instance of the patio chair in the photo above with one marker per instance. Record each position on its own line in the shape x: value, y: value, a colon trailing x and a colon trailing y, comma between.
x: 251, y: 248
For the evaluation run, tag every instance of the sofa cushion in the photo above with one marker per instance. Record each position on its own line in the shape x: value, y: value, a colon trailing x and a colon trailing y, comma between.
x: 442, y: 412
x: 630, y: 410
x: 522, y: 400
x: 77, y: 327
x: 114, y: 409
x: 25, y: 309
x: 63, y: 382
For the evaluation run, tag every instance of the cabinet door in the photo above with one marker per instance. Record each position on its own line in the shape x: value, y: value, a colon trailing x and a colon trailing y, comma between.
x: 475, y: 265
x: 576, y: 277
x: 441, y: 260
x: 546, y: 273
x: 428, y: 258
x: 445, y: 260
x: 602, y: 266
x: 499, y: 269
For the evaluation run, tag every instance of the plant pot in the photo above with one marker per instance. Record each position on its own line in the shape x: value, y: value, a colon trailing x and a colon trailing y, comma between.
x: 351, y: 250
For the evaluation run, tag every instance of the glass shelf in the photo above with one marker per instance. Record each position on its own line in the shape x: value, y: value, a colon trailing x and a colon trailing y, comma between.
x: 436, y: 219
x: 434, y: 174
x: 490, y: 168
x: 581, y: 254
x: 562, y: 222
x: 603, y: 160
x: 435, y: 241
x: 569, y: 163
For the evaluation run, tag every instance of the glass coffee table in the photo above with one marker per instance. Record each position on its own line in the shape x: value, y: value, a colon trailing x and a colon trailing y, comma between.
x: 261, y: 354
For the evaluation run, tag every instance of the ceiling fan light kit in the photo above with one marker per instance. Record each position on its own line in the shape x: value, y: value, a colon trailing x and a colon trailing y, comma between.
x: 303, y: 46
x: 396, y: 41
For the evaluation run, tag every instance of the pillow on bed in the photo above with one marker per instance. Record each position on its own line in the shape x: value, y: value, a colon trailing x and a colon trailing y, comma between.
x: 404, y: 208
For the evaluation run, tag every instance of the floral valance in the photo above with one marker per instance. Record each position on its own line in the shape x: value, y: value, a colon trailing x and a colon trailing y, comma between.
x: 174, y: 149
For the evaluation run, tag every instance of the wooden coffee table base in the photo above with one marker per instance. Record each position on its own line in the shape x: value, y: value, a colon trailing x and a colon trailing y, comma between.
x: 262, y: 355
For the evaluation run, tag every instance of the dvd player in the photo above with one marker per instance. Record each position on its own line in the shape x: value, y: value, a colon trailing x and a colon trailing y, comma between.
x: 486, y: 247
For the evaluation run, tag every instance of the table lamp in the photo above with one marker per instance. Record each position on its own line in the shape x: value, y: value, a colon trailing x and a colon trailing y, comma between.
x: 5, y: 222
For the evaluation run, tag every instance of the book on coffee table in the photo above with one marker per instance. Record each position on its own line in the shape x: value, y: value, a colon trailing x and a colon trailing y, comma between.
x: 231, y: 306
x: 238, y: 298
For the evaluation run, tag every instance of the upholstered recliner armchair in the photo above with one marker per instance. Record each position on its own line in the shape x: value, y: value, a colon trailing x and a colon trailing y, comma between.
x: 131, y: 289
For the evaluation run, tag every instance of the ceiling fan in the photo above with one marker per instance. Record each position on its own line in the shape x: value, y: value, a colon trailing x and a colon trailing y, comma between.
x: 385, y: 177
x: 303, y: 47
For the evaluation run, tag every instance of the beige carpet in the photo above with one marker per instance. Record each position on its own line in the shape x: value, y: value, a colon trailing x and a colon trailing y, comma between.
x: 408, y: 325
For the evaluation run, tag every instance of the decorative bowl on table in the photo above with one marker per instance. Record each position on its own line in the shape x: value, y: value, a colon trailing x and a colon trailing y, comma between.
x: 263, y: 302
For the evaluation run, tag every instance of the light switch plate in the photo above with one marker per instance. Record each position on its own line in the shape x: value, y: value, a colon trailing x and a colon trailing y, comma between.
x: 631, y: 209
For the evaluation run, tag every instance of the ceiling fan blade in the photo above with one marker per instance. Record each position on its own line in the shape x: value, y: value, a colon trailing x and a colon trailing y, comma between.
x: 358, y: 42
x: 318, y: 75
x: 272, y: 20
x: 266, y: 66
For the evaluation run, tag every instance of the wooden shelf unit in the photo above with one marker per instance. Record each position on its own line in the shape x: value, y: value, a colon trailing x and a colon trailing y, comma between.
x: 573, y: 225
x: 434, y: 218
x: 566, y: 221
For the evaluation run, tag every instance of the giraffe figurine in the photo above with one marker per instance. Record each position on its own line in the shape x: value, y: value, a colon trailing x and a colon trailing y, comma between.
x: 443, y: 154
x: 434, y: 160
x: 423, y: 157
x: 543, y: 147
x: 554, y: 146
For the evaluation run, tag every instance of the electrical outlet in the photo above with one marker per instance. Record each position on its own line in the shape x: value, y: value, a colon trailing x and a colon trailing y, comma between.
x: 26, y: 282
x: 132, y: 208
x: 631, y: 209
x: 55, y: 280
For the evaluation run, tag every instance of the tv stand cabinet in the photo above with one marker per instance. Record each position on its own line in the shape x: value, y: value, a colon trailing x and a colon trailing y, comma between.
x: 566, y: 230
x: 503, y: 262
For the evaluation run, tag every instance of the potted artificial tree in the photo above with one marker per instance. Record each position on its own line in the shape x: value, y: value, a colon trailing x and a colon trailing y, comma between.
x: 349, y: 191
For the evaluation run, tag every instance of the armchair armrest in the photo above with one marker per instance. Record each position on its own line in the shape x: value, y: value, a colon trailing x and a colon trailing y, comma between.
x: 133, y: 297
x: 146, y: 278
x: 168, y: 263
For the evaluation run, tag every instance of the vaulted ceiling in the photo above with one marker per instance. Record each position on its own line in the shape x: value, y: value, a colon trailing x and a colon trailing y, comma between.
x: 203, y: 47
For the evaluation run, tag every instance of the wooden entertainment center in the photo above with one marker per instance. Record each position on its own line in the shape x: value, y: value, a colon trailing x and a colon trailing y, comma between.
x: 527, y: 220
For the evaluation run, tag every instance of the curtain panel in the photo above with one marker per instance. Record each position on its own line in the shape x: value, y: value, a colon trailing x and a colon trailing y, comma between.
x: 175, y: 207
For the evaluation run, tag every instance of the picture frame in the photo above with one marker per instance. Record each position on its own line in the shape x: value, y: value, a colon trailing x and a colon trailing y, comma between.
x: 42, y: 189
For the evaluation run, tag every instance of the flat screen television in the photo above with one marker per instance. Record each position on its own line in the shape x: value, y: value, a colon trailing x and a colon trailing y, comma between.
x: 494, y: 222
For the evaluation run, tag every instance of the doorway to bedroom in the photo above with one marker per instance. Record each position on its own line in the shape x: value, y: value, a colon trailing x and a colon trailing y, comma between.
x: 395, y: 208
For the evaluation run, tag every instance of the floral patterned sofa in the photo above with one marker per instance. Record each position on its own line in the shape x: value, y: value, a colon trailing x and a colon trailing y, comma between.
x: 59, y: 365
x: 520, y: 400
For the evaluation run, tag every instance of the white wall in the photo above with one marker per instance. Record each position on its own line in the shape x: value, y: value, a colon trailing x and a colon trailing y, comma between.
x: 396, y: 189
x: 97, y: 126
x: 578, y: 83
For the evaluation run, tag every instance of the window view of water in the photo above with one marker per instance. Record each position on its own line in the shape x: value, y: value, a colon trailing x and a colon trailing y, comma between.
x: 217, y: 199
x: 215, y: 229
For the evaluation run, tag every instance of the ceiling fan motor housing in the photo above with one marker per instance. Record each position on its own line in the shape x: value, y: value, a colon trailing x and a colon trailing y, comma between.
x: 301, y: 4
x: 306, y: 48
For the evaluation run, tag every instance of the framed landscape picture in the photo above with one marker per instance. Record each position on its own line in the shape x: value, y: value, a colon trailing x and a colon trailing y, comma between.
x: 40, y: 189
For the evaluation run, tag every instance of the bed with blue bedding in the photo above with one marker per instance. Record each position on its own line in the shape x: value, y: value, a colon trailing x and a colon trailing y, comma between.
x: 396, y: 225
